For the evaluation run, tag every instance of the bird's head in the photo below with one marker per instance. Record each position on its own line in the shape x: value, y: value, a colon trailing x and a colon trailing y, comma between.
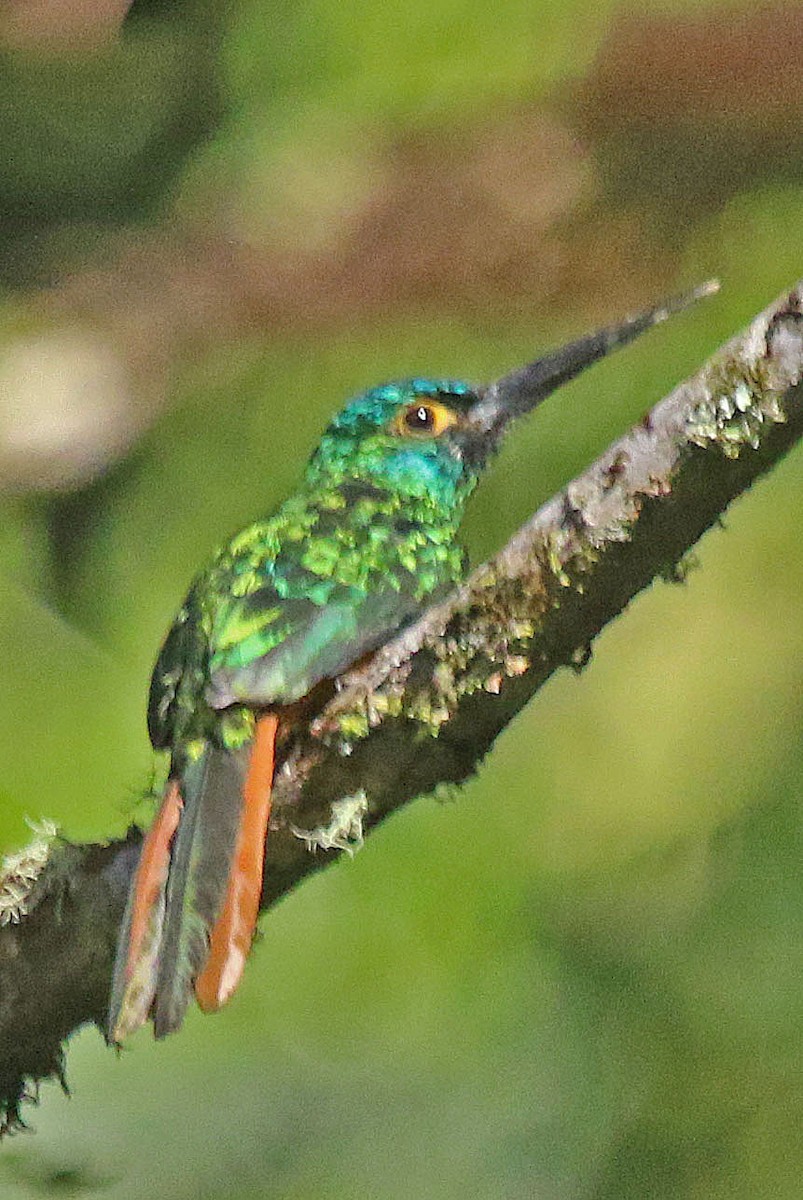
x: 415, y: 436
x: 431, y: 438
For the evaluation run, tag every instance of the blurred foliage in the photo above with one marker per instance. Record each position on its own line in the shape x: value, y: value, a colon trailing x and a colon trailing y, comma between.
x: 582, y: 979
x: 98, y: 138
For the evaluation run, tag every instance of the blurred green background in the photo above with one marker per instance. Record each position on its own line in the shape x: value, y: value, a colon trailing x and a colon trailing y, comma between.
x: 216, y: 222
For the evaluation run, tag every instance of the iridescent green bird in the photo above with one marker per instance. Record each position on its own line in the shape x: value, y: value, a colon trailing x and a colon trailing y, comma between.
x: 368, y: 540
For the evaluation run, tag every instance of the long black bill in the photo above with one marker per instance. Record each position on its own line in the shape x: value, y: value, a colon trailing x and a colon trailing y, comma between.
x: 522, y: 390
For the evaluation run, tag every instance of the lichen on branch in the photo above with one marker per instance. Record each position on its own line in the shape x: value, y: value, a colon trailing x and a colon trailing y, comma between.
x: 425, y: 709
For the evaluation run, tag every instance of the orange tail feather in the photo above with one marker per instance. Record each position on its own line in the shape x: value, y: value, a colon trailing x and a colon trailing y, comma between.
x: 133, y: 982
x: 152, y: 868
x: 234, y: 930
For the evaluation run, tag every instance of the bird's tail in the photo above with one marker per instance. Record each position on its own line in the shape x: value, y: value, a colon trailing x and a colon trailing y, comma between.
x: 194, y: 900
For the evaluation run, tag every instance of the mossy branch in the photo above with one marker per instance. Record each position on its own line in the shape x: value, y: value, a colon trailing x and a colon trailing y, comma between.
x: 425, y: 709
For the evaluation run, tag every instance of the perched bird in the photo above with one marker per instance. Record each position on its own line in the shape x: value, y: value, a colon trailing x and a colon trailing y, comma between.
x: 368, y: 540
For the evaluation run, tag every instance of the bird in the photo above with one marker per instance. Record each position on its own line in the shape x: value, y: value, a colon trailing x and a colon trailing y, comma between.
x: 368, y: 540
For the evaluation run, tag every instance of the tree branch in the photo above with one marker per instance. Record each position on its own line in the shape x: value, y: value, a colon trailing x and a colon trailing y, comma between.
x: 424, y: 710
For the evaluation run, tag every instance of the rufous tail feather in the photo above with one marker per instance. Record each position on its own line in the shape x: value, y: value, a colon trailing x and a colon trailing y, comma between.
x: 134, y: 980
x: 233, y: 931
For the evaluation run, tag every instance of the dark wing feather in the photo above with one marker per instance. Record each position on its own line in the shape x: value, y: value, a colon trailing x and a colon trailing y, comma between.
x: 179, y: 673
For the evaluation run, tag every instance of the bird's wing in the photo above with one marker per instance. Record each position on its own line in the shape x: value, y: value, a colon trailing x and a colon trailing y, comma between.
x: 269, y: 650
x: 271, y: 645
x: 179, y: 674
x: 296, y: 599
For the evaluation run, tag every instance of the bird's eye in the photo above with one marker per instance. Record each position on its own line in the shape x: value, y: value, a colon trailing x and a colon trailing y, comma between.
x: 419, y: 418
x: 424, y: 418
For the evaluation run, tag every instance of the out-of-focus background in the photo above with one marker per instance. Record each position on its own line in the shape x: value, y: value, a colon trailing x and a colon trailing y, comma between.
x: 217, y: 221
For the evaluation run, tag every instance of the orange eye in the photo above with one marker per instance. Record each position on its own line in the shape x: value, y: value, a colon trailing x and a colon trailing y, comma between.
x: 424, y: 418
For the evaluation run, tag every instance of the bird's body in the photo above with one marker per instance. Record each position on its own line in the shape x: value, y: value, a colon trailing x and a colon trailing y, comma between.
x: 368, y: 540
